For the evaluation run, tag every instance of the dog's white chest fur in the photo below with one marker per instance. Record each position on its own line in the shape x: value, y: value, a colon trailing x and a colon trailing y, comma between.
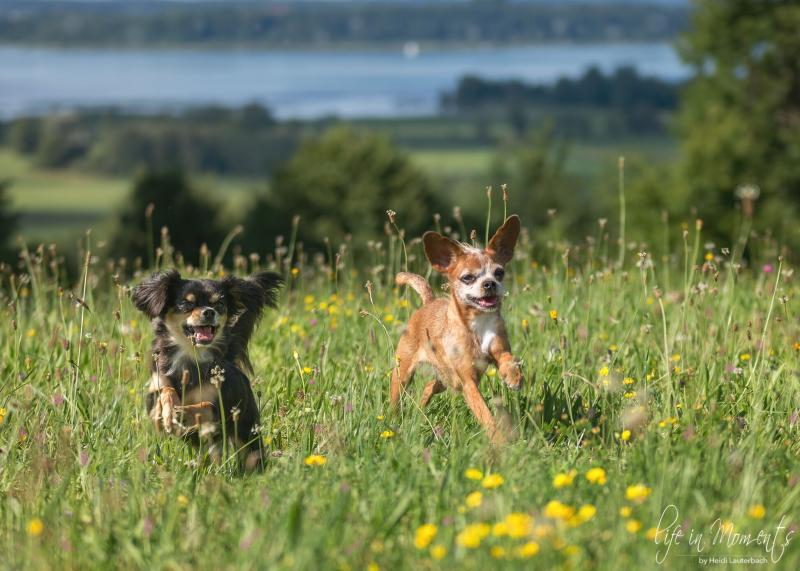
x: 485, y: 328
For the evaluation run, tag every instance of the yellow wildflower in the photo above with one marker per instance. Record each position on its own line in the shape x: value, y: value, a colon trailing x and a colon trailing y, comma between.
x: 425, y: 535
x: 625, y: 511
x: 562, y: 479
x: 473, y: 474
x: 387, y: 434
x: 604, y: 371
x: 472, y: 535
x: 757, y: 511
x: 519, y: 524
x: 438, y: 552
x: 35, y: 527
x: 474, y: 500
x: 556, y: 510
x: 633, y: 526
x: 596, y: 476
x: 744, y: 357
x: 492, y: 481
x: 528, y: 550
x: 625, y: 435
x: 183, y: 501
x: 388, y: 318
x: 497, y: 552
x: 315, y: 460
x: 637, y: 493
x: 587, y: 512
x: 554, y: 314
x: 500, y: 529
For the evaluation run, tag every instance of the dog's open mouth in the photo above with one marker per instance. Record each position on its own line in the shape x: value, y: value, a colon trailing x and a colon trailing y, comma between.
x: 200, y: 334
x: 486, y: 302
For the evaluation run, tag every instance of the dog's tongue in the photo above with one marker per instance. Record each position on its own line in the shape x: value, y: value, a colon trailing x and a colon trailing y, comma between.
x: 203, y: 333
x: 487, y: 301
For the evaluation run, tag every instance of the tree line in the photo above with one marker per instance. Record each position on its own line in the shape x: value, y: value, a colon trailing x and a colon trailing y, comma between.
x: 325, y: 23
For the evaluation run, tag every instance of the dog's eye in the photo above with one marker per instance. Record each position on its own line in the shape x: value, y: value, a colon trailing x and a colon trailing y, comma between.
x: 467, y: 278
x: 499, y: 273
x: 185, y: 306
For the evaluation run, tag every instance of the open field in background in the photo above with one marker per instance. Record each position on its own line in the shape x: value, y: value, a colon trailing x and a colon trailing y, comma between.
x: 58, y: 205
x: 637, y: 397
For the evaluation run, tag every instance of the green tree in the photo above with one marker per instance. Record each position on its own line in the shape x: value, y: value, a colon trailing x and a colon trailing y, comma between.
x: 192, y: 219
x: 341, y: 183
x: 740, y: 116
x: 541, y: 190
x: 8, y: 223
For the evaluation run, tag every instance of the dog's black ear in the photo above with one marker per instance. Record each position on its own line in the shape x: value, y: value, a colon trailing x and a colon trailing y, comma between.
x: 152, y: 296
x: 248, y: 297
x: 269, y: 282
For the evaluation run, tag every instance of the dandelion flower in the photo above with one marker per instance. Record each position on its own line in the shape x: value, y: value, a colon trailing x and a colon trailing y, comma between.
x: 519, y: 524
x: 637, y: 493
x: 556, y: 510
x: 527, y: 550
x: 315, y: 460
x: 472, y: 535
x: 596, y: 476
x: 604, y: 371
x: 387, y: 434
x: 587, y: 512
x: 492, y: 481
x: 425, y: 535
x: 625, y: 435
x: 35, y: 527
x: 438, y: 552
x: 757, y: 511
x: 633, y: 526
x: 625, y: 511
x: 474, y: 500
x: 473, y: 474
x: 554, y: 314
x: 562, y: 479
x: 652, y: 533
x: 500, y: 529
x: 497, y: 552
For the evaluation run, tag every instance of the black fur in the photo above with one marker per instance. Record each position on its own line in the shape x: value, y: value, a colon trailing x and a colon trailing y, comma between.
x: 170, y: 300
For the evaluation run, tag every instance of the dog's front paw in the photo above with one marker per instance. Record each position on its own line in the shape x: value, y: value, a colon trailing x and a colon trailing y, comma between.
x: 512, y: 375
x: 167, y: 415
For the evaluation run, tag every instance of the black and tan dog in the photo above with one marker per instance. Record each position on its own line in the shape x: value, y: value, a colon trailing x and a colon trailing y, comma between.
x: 200, y: 360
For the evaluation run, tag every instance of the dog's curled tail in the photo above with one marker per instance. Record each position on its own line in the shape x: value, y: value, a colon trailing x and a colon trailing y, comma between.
x: 416, y: 282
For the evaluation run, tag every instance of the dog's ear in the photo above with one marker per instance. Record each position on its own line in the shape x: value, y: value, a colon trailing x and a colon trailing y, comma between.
x: 441, y: 251
x: 501, y: 246
x: 269, y: 282
x: 253, y: 293
x: 152, y: 296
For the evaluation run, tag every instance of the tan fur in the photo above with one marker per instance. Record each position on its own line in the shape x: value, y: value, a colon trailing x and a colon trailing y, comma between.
x: 455, y: 335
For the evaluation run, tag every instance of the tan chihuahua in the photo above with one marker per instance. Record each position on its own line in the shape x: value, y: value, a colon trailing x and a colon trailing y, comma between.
x: 461, y: 335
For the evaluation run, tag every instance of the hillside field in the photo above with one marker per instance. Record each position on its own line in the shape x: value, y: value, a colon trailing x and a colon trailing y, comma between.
x: 645, y: 407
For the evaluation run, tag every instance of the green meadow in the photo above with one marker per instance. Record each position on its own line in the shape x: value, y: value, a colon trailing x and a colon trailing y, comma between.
x: 660, y: 403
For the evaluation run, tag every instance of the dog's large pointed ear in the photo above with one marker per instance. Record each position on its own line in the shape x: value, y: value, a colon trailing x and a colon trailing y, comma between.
x: 441, y: 251
x: 152, y: 296
x: 252, y: 293
x: 501, y: 246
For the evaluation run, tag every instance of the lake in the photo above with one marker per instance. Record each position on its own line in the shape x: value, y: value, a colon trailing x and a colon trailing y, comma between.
x: 294, y: 84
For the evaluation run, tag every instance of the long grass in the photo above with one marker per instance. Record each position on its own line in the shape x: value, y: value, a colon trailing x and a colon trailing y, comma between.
x: 684, y: 397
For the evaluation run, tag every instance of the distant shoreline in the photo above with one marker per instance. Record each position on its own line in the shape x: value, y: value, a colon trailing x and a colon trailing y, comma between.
x: 338, y: 47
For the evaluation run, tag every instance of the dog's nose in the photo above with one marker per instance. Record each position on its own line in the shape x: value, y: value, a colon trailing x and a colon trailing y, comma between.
x: 489, y: 285
x: 208, y: 313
